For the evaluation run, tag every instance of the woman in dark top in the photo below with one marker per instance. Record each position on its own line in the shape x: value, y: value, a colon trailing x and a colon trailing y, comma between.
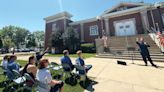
x: 30, y: 68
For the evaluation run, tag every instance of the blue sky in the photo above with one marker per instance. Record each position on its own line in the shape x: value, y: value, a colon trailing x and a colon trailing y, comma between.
x: 30, y: 13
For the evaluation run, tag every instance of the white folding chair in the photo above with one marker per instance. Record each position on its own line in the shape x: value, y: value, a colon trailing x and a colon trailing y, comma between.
x: 55, y: 66
x: 83, y: 76
x: 30, y: 87
x: 68, y: 72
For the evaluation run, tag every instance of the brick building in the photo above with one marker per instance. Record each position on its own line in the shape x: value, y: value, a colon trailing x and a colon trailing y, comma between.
x: 124, y: 19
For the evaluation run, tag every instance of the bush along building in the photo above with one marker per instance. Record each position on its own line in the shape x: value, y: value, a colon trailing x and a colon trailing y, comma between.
x: 121, y: 24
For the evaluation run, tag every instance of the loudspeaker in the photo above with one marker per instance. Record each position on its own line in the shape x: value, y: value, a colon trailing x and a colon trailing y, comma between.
x: 121, y: 62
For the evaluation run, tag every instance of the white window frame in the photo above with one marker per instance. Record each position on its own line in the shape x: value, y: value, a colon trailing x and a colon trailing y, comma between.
x: 53, y: 26
x: 94, y: 30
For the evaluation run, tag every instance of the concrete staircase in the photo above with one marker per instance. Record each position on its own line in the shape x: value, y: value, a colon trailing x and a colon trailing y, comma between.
x: 118, y: 48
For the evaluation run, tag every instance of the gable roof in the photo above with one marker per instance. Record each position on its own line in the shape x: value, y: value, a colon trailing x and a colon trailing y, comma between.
x: 131, y: 4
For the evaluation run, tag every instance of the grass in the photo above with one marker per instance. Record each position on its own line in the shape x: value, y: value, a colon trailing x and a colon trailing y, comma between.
x: 85, y: 55
x: 68, y: 87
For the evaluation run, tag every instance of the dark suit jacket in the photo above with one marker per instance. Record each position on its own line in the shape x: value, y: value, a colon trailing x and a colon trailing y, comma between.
x: 143, y: 48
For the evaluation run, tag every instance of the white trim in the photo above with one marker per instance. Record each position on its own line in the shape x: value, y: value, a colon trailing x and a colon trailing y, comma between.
x: 83, y: 21
x: 124, y: 3
x: 111, y: 15
x: 93, y: 33
x: 62, y: 14
x: 53, y: 20
x: 133, y: 19
x: 124, y: 12
x: 59, y: 16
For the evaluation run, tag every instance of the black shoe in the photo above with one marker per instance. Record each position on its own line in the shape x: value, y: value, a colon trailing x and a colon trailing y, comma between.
x: 155, y: 66
x: 145, y: 64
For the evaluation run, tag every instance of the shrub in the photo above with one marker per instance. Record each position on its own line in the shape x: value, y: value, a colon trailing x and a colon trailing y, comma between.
x: 88, y: 48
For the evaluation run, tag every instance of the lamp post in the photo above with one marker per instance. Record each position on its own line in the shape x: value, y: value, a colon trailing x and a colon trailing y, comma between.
x: 158, y: 6
x: 100, y: 18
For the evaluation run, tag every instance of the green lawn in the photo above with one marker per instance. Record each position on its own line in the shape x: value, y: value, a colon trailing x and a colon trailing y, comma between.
x: 69, y: 87
x: 85, y: 55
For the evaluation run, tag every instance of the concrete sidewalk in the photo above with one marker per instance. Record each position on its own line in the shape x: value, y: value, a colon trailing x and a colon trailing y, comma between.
x: 112, y: 77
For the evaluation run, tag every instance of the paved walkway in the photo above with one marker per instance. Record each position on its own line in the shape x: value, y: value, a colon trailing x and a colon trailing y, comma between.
x: 112, y: 77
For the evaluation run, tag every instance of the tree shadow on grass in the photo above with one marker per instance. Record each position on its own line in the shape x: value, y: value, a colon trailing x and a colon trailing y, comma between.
x: 88, y: 85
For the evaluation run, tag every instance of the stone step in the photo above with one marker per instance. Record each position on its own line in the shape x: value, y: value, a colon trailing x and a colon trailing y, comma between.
x: 130, y: 58
x: 136, y: 54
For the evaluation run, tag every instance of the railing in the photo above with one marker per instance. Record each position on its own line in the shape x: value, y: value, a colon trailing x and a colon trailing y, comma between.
x: 157, y: 38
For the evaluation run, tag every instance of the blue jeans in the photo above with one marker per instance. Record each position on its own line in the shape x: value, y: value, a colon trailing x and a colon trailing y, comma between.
x: 87, y: 68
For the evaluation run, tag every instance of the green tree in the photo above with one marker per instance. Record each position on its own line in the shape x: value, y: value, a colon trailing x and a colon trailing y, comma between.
x: 1, y: 44
x: 39, y: 38
x: 8, y: 43
x: 7, y: 31
x: 16, y: 34
x: 71, y: 39
x: 31, y: 41
x: 56, y: 39
x: 39, y: 35
x: 20, y: 36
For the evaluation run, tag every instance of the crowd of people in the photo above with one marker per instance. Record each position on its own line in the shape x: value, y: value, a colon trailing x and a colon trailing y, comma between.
x: 38, y: 69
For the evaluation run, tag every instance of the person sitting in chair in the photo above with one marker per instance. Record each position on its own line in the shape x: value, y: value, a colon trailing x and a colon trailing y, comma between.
x: 31, y: 69
x: 44, y: 76
x: 80, y: 61
x: 5, y: 62
x: 66, y: 60
x: 12, y: 65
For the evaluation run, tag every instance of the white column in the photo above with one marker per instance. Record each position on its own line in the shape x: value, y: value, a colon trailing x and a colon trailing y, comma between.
x: 82, y: 32
x: 64, y: 24
x: 144, y: 18
x: 107, y: 26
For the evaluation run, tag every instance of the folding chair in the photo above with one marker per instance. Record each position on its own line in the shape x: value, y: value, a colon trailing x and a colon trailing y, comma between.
x: 55, y: 66
x: 66, y: 70
x: 29, y: 78
x: 83, y: 76
x: 19, y: 79
x: 3, y: 73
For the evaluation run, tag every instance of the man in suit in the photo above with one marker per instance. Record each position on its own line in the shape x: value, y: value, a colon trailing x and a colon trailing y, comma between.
x: 143, y: 46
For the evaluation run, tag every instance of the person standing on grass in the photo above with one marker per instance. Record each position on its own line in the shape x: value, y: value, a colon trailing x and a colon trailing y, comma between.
x: 143, y: 46
x: 80, y: 61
